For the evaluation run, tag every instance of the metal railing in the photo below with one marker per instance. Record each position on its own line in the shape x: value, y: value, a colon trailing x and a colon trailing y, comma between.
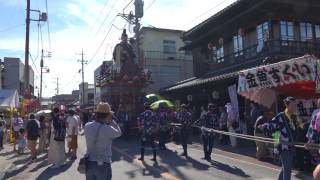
x: 265, y: 49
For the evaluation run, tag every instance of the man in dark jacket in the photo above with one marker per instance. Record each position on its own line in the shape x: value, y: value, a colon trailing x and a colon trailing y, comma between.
x: 33, y: 128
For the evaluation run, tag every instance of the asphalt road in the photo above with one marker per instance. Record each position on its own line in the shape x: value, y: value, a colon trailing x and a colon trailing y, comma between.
x: 170, y: 165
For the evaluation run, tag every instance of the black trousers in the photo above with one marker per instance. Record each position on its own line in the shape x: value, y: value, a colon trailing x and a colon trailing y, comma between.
x: 148, y: 140
x: 184, y: 138
x: 163, y: 134
x: 208, y: 141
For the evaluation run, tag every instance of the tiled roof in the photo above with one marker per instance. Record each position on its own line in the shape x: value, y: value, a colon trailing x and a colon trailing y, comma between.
x: 208, y: 78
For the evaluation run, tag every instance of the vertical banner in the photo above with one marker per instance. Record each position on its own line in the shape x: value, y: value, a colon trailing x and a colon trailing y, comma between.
x: 234, y: 99
x: 317, y: 77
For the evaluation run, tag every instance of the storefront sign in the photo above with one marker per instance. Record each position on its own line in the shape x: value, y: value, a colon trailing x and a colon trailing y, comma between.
x: 273, y: 75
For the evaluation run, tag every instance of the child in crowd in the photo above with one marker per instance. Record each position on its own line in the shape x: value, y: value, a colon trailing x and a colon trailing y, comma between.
x: 22, y: 141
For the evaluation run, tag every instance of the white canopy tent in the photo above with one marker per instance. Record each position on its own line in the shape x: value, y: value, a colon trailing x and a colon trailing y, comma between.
x: 9, y: 98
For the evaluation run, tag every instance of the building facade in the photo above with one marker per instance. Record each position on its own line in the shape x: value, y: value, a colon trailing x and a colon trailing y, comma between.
x: 64, y: 99
x: 13, y: 75
x: 86, y: 94
x: 246, y: 34
x: 162, y: 57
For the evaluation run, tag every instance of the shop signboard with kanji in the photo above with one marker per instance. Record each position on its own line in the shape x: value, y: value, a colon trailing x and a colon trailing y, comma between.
x: 298, y: 77
x: 278, y: 74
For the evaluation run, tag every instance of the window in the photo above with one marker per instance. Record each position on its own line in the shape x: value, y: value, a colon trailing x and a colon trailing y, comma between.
x: 305, y: 31
x: 220, y: 54
x: 170, y: 71
x: 262, y: 35
x: 238, y: 45
x: 317, y: 30
x: 169, y: 46
x: 286, y: 28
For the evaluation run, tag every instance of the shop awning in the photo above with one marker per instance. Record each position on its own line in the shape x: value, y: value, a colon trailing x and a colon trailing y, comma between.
x: 295, y: 77
x: 208, y: 78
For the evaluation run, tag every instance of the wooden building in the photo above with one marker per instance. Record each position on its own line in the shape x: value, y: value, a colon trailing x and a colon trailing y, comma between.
x: 246, y: 34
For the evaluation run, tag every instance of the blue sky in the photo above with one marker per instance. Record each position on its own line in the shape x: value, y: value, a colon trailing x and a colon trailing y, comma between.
x: 77, y: 24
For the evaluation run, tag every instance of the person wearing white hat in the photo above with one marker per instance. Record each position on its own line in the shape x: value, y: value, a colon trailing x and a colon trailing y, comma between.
x: 99, y: 135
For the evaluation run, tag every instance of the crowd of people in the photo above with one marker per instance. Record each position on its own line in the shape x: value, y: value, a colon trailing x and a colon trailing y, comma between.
x: 61, y: 130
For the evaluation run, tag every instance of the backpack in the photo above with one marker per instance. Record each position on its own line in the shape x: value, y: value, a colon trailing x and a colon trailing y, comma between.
x: 317, y: 123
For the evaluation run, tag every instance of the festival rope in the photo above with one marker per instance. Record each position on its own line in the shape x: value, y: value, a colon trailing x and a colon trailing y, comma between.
x: 255, y: 138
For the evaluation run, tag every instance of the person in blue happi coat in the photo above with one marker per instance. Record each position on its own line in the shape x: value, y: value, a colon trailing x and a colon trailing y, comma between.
x: 209, y: 120
x: 184, y: 117
x: 163, y: 120
x: 148, y: 126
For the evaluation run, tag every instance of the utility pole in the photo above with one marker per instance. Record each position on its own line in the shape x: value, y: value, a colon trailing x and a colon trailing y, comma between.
x: 83, y: 62
x: 26, y: 54
x: 42, y: 17
x: 57, y: 89
x: 41, y: 67
x: 134, y: 19
x: 41, y: 71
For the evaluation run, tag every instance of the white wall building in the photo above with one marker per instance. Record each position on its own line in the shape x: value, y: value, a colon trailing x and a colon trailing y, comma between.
x: 162, y: 56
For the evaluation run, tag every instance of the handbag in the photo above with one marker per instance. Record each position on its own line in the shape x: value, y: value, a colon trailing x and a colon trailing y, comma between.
x: 83, y: 162
x: 60, y: 134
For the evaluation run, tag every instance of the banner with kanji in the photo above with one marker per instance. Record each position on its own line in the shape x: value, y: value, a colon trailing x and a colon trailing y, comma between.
x: 298, y: 74
x: 278, y: 74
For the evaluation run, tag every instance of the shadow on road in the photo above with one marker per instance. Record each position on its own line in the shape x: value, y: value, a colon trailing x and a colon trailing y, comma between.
x: 17, y: 167
x: 49, y: 172
x: 7, y: 153
x: 229, y: 169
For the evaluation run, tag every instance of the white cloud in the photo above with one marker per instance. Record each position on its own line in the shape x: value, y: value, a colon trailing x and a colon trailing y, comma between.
x: 68, y: 41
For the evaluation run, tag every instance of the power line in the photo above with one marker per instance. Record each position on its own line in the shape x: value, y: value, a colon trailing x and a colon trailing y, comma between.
x: 106, y: 17
x: 70, y: 82
x: 102, y: 42
x: 34, y: 65
x: 48, y: 26
x: 150, y: 5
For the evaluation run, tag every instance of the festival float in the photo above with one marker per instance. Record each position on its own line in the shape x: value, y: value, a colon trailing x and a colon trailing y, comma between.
x: 124, y: 80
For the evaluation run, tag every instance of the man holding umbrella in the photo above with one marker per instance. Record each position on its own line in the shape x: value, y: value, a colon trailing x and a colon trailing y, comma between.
x: 184, y: 117
x: 148, y: 127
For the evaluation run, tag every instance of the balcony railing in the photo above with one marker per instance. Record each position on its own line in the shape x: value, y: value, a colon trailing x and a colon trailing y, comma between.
x: 270, y: 48
x: 166, y: 55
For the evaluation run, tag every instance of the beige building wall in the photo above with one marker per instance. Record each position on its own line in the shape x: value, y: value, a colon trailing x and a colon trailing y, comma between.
x: 167, y: 67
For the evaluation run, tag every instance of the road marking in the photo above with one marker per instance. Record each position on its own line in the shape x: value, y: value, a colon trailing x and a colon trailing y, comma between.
x: 142, y: 164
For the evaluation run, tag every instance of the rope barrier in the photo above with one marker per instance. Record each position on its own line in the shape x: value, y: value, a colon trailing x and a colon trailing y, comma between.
x: 255, y: 138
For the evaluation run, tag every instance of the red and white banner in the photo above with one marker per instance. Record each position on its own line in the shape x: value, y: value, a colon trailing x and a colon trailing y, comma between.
x: 258, y: 84
x: 278, y: 74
